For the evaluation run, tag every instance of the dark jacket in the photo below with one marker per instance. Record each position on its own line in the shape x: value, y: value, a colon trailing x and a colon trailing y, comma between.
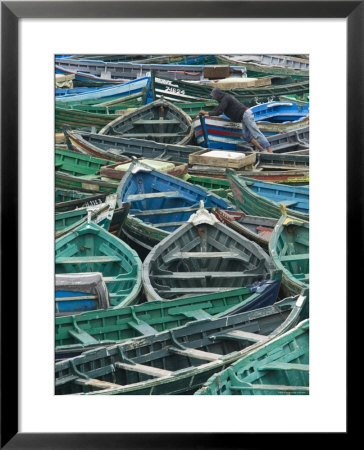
x: 228, y: 105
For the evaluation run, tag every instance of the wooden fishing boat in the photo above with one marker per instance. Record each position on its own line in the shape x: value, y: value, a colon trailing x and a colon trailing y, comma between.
x: 208, y: 176
x: 278, y: 161
x: 279, y: 112
x: 100, y: 214
x: 259, y: 198
x: 115, y: 148
x: 278, y: 367
x: 74, y: 335
x: 80, y: 172
x: 107, y: 93
x: 160, y: 203
x: 299, y: 99
x: 256, y: 228
x: 72, y: 162
x: 289, y: 249
x: 255, y: 69
x: 132, y: 70
x: 80, y: 292
x: 89, y: 79
x: 158, y: 121
x: 270, y: 129
x: 78, y: 115
x: 118, y: 170
x: 193, y: 108
x: 203, y: 256
x: 72, y: 91
x: 290, y: 142
x: 175, y: 361
x: 105, y: 105
x: 289, y: 177
x: 145, y: 59
x: 221, y: 133
x: 211, y: 183
x: 291, y: 62
x: 92, y: 249
x: 68, y: 200
x: 184, y: 91
x: 78, y: 118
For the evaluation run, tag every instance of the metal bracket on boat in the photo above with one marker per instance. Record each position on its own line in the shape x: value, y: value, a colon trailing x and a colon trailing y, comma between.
x: 134, y: 315
x: 137, y: 167
x: 76, y: 371
x: 174, y: 340
x: 123, y: 357
x: 202, y: 216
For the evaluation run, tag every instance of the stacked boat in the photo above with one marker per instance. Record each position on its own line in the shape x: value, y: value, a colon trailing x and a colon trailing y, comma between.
x: 181, y: 252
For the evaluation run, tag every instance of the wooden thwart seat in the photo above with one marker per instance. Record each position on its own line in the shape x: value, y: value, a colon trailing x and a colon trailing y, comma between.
x: 146, y: 370
x: 158, y: 135
x: 288, y: 202
x: 83, y: 337
x: 197, y: 354
x: 188, y: 255
x: 281, y: 365
x: 156, y: 122
x: 273, y: 388
x: 86, y: 259
x: 169, y: 224
x: 199, y: 275
x: 195, y: 290
x: 78, y: 297
x: 96, y: 383
x: 170, y: 194
x: 297, y: 257
x: 142, y: 327
x: 242, y: 335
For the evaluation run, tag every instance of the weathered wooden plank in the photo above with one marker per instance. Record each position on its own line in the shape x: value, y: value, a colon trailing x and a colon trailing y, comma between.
x: 242, y: 335
x: 136, y: 197
x: 198, y: 275
x: 79, y: 297
x: 96, y: 383
x: 156, y: 122
x: 142, y: 327
x: 141, y: 368
x: 149, y: 135
x: 281, y: 365
x: 168, y: 224
x: 187, y: 255
x: 86, y: 259
x: 197, y: 354
x: 83, y: 337
x: 298, y: 257
x: 272, y: 388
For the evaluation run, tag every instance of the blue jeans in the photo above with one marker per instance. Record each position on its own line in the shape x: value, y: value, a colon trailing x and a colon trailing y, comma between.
x: 251, y: 130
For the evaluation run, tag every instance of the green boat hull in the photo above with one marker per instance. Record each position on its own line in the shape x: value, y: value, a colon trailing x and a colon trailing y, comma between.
x: 260, y: 70
x: 76, y: 334
x: 180, y: 91
x: 279, y: 367
x: 289, y: 250
x: 101, y: 214
x: 92, y: 249
x: 160, y: 364
x: 78, y: 164
x: 79, y: 172
x: 254, y: 204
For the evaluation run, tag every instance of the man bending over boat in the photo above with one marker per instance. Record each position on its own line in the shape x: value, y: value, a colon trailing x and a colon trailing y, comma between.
x: 237, y: 112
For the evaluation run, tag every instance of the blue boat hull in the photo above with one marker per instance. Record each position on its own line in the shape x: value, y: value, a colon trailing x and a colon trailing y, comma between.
x: 71, y: 306
x: 161, y: 200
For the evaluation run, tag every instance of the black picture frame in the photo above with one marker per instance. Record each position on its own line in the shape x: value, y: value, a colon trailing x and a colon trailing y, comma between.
x: 11, y: 12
